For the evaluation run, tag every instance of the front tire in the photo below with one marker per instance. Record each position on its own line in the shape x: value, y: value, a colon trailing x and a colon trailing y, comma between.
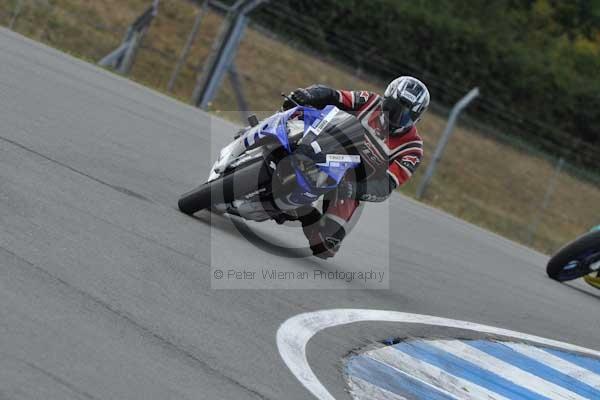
x: 225, y: 189
x: 572, y: 261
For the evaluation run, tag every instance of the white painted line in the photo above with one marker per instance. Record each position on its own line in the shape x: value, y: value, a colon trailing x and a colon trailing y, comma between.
x: 432, y: 375
x: 564, y: 366
x: 293, y: 336
x: 369, y: 391
x: 505, y: 370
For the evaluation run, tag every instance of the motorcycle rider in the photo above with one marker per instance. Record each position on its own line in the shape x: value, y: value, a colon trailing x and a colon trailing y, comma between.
x: 394, y: 140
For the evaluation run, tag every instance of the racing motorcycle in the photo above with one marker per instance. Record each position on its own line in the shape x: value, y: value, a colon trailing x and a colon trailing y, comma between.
x: 580, y: 258
x: 275, y: 168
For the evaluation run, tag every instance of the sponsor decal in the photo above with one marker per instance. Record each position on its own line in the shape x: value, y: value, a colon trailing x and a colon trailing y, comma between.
x: 371, y: 153
x: 363, y: 96
x: 413, y: 160
x: 572, y: 264
x: 332, y: 241
x: 343, y: 158
x: 408, y: 96
x: 319, y: 125
x: 371, y: 197
x: 250, y: 195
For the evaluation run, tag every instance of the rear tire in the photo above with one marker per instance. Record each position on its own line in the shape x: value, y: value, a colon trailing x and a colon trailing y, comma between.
x: 577, y: 250
x: 226, y: 189
x: 196, y: 200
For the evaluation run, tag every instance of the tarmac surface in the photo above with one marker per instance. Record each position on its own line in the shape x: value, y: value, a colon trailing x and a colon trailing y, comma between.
x: 105, y: 287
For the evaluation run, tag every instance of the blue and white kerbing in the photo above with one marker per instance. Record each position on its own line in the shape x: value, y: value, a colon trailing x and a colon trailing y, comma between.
x: 472, y: 369
x: 572, y: 360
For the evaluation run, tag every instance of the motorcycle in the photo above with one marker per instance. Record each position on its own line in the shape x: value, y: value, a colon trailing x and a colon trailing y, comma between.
x: 275, y: 168
x: 580, y: 258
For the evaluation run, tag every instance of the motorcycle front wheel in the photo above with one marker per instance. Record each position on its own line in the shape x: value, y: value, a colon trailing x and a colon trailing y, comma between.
x: 573, y: 261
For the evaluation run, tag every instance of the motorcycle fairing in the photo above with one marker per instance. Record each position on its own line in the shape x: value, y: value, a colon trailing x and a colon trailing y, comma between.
x: 315, y: 122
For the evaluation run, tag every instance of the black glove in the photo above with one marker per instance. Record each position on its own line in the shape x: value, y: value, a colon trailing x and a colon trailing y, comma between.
x: 300, y: 96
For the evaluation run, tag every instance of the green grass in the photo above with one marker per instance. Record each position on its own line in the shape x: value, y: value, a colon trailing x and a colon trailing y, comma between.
x: 483, y: 178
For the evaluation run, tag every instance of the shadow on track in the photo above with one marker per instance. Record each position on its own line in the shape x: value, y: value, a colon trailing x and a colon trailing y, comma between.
x: 597, y: 296
x: 265, y: 242
x: 268, y: 243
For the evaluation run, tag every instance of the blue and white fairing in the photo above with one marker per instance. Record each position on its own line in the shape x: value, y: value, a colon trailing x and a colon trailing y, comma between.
x: 335, y: 166
x: 315, y: 121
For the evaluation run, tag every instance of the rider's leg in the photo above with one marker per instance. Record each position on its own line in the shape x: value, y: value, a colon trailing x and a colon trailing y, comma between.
x: 325, y: 236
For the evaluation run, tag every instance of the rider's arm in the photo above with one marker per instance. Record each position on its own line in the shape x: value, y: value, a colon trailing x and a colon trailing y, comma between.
x: 319, y: 96
x: 379, y: 189
x: 403, y: 161
x: 349, y: 100
x: 404, y: 164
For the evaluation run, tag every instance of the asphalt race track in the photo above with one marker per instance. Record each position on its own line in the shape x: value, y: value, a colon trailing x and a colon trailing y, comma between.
x: 105, y: 286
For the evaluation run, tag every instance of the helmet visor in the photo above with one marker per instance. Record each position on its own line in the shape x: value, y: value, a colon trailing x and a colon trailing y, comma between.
x: 398, y: 113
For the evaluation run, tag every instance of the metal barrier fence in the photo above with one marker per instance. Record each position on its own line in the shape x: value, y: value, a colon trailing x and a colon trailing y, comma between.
x: 122, y: 58
x: 485, y: 176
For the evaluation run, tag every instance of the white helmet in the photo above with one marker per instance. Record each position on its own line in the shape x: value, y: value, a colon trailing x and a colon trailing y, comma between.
x: 405, y: 100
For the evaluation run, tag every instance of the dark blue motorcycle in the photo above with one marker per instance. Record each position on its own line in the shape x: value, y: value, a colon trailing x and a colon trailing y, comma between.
x: 278, y: 166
